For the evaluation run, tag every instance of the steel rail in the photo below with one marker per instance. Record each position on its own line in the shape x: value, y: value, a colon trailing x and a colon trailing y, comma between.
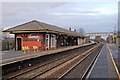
x: 24, y: 72
x: 60, y: 78
x: 90, y: 66
x: 62, y: 63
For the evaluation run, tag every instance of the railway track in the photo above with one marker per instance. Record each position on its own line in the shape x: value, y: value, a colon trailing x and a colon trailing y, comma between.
x: 62, y: 71
x: 43, y: 68
x: 51, y: 69
x: 81, y: 69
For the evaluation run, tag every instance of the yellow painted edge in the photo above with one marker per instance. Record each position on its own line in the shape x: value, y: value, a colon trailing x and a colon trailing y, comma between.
x: 114, y: 62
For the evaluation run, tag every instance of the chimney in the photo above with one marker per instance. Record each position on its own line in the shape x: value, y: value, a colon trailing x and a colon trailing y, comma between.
x: 70, y: 29
x: 74, y: 30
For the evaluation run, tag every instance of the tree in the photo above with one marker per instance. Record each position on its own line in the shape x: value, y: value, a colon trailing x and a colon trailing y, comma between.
x: 81, y: 31
x: 1, y: 34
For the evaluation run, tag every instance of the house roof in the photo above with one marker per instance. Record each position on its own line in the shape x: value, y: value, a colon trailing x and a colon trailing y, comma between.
x: 40, y: 26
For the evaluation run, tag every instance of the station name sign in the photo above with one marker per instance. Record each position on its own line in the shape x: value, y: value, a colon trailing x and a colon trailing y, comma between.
x: 35, y: 37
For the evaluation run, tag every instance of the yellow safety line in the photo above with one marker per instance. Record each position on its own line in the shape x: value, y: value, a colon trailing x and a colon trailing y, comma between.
x: 114, y: 62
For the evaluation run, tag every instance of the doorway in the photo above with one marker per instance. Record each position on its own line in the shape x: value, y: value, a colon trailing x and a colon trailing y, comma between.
x: 47, y: 36
x: 19, y: 43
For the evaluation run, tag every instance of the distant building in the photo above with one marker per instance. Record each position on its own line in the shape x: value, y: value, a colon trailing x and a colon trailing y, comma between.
x: 98, y: 39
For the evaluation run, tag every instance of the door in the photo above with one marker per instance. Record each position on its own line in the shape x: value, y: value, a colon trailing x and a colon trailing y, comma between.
x: 53, y: 41
x: 19, y: 43
x: 47, y: 41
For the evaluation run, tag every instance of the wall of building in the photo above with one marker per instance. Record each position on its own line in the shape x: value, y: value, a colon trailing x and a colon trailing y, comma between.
x: 61, y: 41
x: 80, y: 41
x: 31, y: 39
x: 43, y: 41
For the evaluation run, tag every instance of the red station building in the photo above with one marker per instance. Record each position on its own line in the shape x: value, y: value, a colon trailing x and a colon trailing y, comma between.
x: 43, y: 36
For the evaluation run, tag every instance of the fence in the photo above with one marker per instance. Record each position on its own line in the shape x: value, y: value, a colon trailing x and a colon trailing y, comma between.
x: 8, y: 44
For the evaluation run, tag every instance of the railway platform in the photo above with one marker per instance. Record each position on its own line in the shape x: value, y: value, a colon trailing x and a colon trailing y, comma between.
x: 9, y: 57
x: 104, y: 66
x: 115, y: 53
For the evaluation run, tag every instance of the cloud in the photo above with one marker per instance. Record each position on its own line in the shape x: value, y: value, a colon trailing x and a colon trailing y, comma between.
x: 0, y: 14
x: 87, y: 15
x: 10, y: 9
x: 60, y: 0
x: 75, y: 13
x: 92, y: 12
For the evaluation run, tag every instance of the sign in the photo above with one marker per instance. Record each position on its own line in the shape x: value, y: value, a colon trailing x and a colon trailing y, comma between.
x: 35, y: 37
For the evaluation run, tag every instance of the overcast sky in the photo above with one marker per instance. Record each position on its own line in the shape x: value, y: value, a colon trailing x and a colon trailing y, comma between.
x: 91, y: 16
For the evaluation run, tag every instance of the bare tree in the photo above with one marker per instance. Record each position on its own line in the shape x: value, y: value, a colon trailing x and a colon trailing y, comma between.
x: 1, y: 34
x: 81, y: 31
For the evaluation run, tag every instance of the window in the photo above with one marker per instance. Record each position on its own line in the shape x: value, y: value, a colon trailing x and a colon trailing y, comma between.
x: 47, y: 41
x: 53, y: 40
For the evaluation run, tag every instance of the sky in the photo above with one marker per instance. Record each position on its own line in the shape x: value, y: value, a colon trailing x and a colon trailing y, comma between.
x: 92, y: 16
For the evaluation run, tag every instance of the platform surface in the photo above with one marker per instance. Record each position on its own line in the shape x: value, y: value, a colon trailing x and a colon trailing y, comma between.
x: 103, y: 67
x: 115, y: 53
x: 8, y: 57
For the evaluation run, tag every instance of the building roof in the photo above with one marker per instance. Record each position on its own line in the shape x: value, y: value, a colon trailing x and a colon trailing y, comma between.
x: 36, y: 26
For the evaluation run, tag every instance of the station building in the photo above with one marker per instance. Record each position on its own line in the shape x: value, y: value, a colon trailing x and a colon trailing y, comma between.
x: 43, y: 36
